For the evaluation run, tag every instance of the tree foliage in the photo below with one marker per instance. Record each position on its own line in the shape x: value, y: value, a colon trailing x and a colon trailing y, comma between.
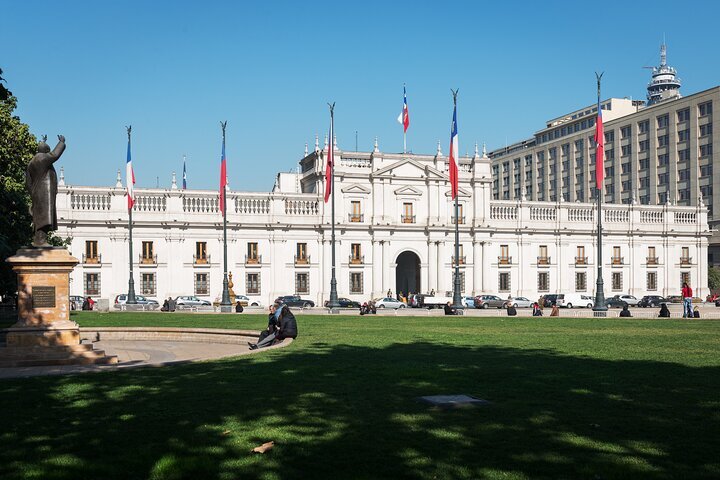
x: 714, y: 278
x: 17, y: 146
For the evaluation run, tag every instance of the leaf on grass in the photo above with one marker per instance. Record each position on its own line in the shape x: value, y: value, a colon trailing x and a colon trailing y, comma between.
x: 263, y: 448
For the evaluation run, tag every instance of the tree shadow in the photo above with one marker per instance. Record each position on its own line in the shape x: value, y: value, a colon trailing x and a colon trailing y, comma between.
x: 341, y: 411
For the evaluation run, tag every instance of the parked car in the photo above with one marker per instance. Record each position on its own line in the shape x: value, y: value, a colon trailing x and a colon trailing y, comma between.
x: 190, y: 301
x: 652, y: 301
x: 570, y: 300
x: 487, y: 301
x: 245, y: 301
x: 630, y: 300
x: 388, y: 302
x: 294, y: 301
x: 468, y: 302
x: 76, y: 302
x: 519, y: 302
x: 345, y: 303
x: 140, y: 299
x: 619, y: 301
x: 550, y: 299
x: 674, y: 298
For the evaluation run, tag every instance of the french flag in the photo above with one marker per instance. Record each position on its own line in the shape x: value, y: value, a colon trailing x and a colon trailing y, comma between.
x: 129, y: 177
x: 404, y: 117
x: 453, y: 154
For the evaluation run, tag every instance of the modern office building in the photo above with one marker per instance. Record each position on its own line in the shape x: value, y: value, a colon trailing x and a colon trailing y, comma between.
x: 658, y: 152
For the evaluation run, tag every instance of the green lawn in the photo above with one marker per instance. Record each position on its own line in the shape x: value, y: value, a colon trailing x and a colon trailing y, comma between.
x: 571, y: 398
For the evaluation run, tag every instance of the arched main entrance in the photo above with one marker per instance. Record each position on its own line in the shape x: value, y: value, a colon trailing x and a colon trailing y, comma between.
x: 407, y: 273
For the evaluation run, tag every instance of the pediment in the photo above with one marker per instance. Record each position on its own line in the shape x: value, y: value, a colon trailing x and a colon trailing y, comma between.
x: 356, y: 188
x: 461, y: 193
x: 407, y: 190
x: 409, y: 168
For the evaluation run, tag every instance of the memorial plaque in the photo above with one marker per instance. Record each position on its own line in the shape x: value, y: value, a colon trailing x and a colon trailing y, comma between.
x: 43, y: 297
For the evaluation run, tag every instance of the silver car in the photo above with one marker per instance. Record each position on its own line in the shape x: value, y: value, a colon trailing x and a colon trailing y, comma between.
x: 189, y: 301
x: 388, y: 302
x: 519, y: 302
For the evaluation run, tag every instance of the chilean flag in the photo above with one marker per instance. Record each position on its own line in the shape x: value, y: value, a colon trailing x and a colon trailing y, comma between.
x: 129, y: 178
x: 599, y: 150
x: 329, y: 165
x: 184, y: 175
x: 404, y: 117
x: 223, y: 177
x: 453, y: 153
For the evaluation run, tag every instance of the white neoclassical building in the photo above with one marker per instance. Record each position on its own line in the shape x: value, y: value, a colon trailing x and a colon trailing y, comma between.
x: 394, y: 224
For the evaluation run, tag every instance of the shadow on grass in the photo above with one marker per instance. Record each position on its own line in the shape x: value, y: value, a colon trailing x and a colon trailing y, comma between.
x: 351, y: 412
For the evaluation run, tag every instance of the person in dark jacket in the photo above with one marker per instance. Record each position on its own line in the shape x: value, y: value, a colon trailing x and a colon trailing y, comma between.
x: 288, y: 324
x: 449, y: 310
x: 271, y: 330
x: 537, y: 312
x: 664, y: 312
x: 238, y: 307
x: 284, y: 324
x: 625, y: 311
x: 511, y: 311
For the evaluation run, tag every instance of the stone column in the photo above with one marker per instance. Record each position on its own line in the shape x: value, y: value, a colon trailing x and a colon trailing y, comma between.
x: 477, y: 268
x: 432, y: 267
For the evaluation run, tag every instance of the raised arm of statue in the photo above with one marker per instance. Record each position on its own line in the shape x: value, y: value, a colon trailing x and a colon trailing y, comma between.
x: 59, y: 149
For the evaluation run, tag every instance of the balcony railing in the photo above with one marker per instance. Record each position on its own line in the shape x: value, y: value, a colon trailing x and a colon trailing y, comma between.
x: 460, y: 222
x: 302, y: 260
x: 253, y: 259
x: 461, y: 262
x: 357, y: 260
x: 201, y: 260
x: 652, y: 260
x: 148, y: 260
x: 407, y: 218
x: 356, y: 217
x: 617, y: 260
x: 685, y: 260
x: 581, y: 260
x: 504, y: 260
x: 92, y: 258
x: 543, y: 260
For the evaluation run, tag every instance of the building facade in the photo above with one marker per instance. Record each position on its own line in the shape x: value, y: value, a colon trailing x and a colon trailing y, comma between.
x: 395, y: 231
x: 655, y: 154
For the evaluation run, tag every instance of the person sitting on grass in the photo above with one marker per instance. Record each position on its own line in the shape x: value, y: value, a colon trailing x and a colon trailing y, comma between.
x: 450, y: 310
x: 664, y: 311
x: 625, y: 311
x: 511, y: 311
x: 238, y: 307
x: 696, y: 312
x: 555, y: 310
x: 272, y: 328
x: 537, y: 311
x: 285, y: 325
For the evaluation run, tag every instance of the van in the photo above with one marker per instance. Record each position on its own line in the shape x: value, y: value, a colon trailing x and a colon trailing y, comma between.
x: 578, y: 300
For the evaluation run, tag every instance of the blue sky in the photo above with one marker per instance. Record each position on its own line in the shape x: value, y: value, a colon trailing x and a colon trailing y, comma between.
x: 174, y: 70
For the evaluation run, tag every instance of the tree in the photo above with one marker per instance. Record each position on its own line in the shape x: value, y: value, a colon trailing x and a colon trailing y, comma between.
x: 714, y: 278
x: 17, y: 147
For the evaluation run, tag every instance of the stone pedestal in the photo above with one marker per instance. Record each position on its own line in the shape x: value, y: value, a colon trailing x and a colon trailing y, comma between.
x: 44, y: 333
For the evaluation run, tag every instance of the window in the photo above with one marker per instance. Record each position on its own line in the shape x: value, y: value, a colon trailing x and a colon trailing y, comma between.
x: 580, y: 281
x: 663, y: 140
x: 626, y: 184
x: 202, y: 286
x: 626, y: 167
x: 683, y: 155
x: 643, y: 145
x: 705, y: 109
x: 201, y: 255
x: 356, y: 282
x: 91, y: 252
x: 147, y: 252
x: 684, y: 135
x: 684, y: 278
x: 610, y: 155
x: 706, y: 150
x: 252, y: 284
x: 355, y: 253
x: 706, y: 171
x: 302, y: 283
x: 704, y: 130
x: 610, y: 136
x: 616, y: 258
x: 407, y: 216
x: 651, y: 282
x: 625, y: 132
x: 663, y: 178
x: 504, y: 282
x: 147, y: 284
x: 626, y: 150
x: 617, y: 281
x: 504, y: 254
x: 92, y: 284
x: 663, y: 121
x: 252, y: 253
x: 610, y: 171
x: 355, y: 215
x: 461, y: 215
x: 462, y: 281
x: 664, y: 159
x: 543, y: 281
x: 301, y: 255
x: 543, y: 255
x: 683, y: 115
x: 644, y: 182
x: 684, y: 174
x: 644, y: 126
x: 652, y: 257
x: 685, y: 256
x: 644, y: 164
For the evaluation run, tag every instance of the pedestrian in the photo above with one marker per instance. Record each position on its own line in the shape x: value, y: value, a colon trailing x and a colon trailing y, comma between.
x: 696, y: 313
x: 541, y: 303
x: 687, y: 294
x: 625, y: 311
x: 172, y: 305
x: 389, y: 294
x: 432, y: 292
x: 165, y: 306
x: 555, y: 310
x: 238, y: 307
x: 664, y: 311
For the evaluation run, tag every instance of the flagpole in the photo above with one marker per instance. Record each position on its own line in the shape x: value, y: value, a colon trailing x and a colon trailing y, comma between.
x: 457, y: 300
x: 333, y: 302
x: 225, y: 305
x: 404, y: 141
x: 131, y: 300
x: 600, y: 286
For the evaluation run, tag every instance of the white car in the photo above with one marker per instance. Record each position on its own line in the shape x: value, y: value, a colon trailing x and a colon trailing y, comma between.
x: 520, y: 302
x: 577, y: 300
x: 245, y: 301
x: 468, y: 302
x: 189, y: 301
x: 630, y: 300
x: 388, y: 302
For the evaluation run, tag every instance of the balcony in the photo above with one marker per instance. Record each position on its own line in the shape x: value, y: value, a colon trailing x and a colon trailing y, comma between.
x: 685, y: 260
x: 461, y: 262
x: 201, y: 260
x: 148, y: 260
x: 617, y: 260
x: 407, y: 218
x: 652, y: 261
x: 461, y: 220
x: 543, y: 260
x: 581, y: 260
x: 92, y: 259
x: 253, y: 259
x: 302, y: 260
x: 356, y: 217
x: 357, y: 260
x: 503, y: 260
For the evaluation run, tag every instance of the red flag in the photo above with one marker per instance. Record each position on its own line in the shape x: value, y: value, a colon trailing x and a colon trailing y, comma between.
x: 404, y: 117
x: 223, y: 177
x: 599, y: 150
x: 329, y: 166
x: 453, y: 154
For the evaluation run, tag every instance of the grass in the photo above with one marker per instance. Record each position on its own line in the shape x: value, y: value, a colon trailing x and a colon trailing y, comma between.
x: 571, y: 398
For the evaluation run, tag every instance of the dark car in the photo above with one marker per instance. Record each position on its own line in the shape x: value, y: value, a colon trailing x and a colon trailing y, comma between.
x: 652, y: 301
x: 674, y: 299
x: 487, y: 301
x: 294, y: 301
x: 345, y: 303
x: 615, y: 302
x: 550, y: 300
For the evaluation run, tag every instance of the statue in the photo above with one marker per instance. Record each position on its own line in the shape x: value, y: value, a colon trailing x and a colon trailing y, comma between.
x: 41, y: 181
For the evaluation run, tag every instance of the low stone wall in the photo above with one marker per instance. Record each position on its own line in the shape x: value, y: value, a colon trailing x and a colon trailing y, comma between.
x: 205, y: 335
